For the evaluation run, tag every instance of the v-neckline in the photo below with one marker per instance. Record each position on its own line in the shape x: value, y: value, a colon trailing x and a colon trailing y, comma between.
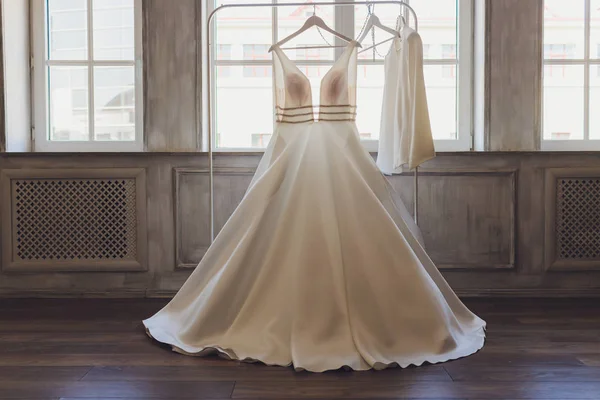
x: 281, y: 53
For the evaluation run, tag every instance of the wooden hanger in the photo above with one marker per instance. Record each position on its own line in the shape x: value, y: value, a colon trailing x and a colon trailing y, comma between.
x: 310, y: 22
x: 375, y: 22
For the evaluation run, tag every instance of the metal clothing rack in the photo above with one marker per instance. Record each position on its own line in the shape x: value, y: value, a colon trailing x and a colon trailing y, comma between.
x: 208, y: 43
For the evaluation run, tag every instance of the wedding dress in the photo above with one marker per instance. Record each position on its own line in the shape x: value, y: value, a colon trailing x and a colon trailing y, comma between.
x: 319, y: 266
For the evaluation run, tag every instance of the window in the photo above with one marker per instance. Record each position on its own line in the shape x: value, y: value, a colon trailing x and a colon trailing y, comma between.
x: 224, y: 53
x: 558, y: 52
x: 253, y: 52
x: 303, y: 53
x: 449, y: 53
x: 260, y: 139
x: 247, y: 92
x: 571, y: 88
x: 598, y: 56
x: 87, y: 75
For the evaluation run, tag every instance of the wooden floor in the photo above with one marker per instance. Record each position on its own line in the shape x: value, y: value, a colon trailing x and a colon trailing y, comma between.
x: 97, y: 349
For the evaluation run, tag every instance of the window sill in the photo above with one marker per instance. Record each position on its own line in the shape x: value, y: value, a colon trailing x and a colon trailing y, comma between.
x: 571, y: 146
x: 260, y: 153
x: 88, y: 147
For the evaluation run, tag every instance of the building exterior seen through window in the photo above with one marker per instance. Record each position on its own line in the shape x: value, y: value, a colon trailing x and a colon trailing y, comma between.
x: 85, y: 77
x: 246, y: 88
x: 571, y: 75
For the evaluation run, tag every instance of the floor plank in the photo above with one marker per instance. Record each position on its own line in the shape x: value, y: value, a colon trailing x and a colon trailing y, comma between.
x: 52, y: 373
x: 165, y: 358
x: 107, y: 390
x: 590, y: 360
x: 253, y: 373
x: 524, y: 374
x: 76, y: 349
x: 447, y: 390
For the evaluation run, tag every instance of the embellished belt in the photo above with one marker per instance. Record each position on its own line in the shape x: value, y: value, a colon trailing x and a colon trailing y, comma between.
x: 297, y: 115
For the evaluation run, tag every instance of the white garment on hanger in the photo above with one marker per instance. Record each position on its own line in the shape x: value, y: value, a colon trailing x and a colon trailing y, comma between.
x: 405, y: 131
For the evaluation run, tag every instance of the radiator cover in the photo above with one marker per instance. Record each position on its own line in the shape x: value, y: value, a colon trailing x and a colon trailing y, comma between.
x: 75, y: 220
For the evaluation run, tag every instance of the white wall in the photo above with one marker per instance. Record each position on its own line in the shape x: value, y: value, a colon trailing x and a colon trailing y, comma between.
x: 15, y: 27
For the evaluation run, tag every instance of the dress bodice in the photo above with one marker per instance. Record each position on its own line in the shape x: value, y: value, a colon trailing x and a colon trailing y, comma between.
x: 293, y: 93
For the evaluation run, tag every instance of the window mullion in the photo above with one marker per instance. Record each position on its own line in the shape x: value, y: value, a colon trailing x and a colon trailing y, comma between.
x: 90, y: 43
x: 586, y: 71
x: 344, y: 23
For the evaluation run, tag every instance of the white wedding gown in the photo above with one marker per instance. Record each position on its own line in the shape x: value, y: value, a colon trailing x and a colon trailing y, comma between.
x: 318, y: 267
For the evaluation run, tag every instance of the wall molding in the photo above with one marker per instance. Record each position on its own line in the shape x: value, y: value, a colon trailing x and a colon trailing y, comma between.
x: 528, y: 278
x: 511, y: 174
x: 467, y: 293
x: 530, y: 293
x: 178, y: 173
x: 66, y: 293
x: 168, y: 294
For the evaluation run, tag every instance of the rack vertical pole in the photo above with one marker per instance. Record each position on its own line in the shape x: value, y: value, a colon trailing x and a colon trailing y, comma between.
x: 416, y: 196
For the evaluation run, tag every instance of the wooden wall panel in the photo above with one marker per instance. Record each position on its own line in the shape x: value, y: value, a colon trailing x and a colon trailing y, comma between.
x: 404, y: 185
x: 468, y: 219
x: 171, y: 72
x: 192, y: 212
x: 483, y: 218
x: 514, y: 40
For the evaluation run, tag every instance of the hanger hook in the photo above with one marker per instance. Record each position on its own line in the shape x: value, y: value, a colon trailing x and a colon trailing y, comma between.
x: 369, y: 8
x: 314, y: 10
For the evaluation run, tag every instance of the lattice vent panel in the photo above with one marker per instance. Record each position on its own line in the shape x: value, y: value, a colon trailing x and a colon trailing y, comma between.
x: 578, y: 218
x: 74, y: 219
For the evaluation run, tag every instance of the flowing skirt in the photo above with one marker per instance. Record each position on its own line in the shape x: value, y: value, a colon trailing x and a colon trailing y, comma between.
x: 319, y: 267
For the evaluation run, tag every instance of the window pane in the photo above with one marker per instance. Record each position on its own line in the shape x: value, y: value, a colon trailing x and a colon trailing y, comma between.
x: 595, y: 102
x: 257, y: 52
x: 291, y: 18
x: 68, y: 107
x: 114, y: 102
x: 236, y: 27
x: 564, y: 29
x: 67, y: 29
x: 244, y: 108
x: 563, y: 102
x: 388, y: 14
x: 369, y: 98
x: 223, y: 52
x: 114, y: 37
x: 315, y: 74
x: 437, y: 26
x: 595, y: 29
x: 441, y: 99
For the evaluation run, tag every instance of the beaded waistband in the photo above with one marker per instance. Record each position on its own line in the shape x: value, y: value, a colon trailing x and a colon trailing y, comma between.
x: 297, y: 115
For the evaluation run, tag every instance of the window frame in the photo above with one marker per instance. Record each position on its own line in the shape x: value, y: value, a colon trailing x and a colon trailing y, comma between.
x: 40, y: 85
x: 587, y: 62
x: 344, y: 22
